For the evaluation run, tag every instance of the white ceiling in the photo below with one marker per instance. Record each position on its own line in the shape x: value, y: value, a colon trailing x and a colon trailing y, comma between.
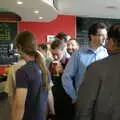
x: 90, y: 8
x: 83, y: 8
x: 26, y: 10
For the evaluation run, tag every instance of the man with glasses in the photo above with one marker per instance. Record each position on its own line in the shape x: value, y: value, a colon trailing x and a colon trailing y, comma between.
x: 76, y: 67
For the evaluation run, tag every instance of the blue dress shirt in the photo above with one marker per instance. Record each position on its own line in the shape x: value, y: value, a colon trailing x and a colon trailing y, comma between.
x: 76, y: 67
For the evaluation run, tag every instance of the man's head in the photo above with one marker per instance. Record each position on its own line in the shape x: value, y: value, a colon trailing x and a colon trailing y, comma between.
x: 62, y: 36
x: 72, y: 45
x: 97, y: 34
x: 57, y: 49
x: 26, y: 43
x: 114, y: 36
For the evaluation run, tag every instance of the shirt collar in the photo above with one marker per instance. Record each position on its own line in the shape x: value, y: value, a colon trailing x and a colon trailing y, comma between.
x: 91, y: 50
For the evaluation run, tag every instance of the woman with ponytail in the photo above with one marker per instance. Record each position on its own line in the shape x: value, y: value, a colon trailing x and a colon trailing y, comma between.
x: 32, y: 81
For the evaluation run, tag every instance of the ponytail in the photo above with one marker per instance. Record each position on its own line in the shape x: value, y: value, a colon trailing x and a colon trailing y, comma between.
x: 40, y: 60
x: 26, y: 43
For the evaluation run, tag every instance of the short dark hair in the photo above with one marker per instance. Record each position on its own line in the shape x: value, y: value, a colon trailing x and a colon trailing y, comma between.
x: 43, y: 46
x: 72, y: 38
x: 57, y: 43
x: 94, y: 28
x: 114, y: 33
x: 62, y: 36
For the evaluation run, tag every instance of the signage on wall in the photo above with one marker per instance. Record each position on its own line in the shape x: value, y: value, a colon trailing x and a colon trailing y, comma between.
x: 83, y: 24
x: 8, y: 32
x: 50, y: 38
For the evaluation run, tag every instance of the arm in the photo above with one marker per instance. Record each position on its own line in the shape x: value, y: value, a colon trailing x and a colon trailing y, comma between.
x: 50, y: 97
x: 9, y: 86
x: 20, y: 95
x: 88, y: 94
x: 51, y: 102
x: 19, y: 104
x: 68, y: 76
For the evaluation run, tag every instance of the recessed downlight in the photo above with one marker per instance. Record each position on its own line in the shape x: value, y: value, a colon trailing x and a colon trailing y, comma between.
x: 40, y: 18
x: 36, y: 11
x: 19, y: 2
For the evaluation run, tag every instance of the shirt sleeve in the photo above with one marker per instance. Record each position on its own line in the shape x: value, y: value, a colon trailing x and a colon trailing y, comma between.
x: 21, y: 79
x: 87, y: 95
x: 69, y: 75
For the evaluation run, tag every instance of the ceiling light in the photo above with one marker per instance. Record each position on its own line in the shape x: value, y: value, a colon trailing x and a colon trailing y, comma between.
x: 19, y: 2
x: 36, y: 11
x: 40, y: 18
x: 111, y: 4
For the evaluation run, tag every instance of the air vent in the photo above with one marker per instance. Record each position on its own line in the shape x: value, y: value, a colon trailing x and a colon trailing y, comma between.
x: 111, y: 7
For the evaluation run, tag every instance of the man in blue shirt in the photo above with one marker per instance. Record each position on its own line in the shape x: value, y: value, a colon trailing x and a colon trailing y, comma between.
x: 76, y: 67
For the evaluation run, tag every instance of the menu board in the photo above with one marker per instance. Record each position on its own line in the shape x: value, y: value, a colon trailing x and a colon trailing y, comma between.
x: 8, y: 32
x: 83, y: 25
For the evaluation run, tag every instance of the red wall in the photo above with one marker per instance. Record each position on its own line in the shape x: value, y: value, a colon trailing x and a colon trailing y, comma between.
x: 62, y: 23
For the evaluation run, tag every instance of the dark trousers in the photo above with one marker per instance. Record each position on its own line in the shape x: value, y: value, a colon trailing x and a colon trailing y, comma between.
x: 64, y: 112
x: 63, y: 104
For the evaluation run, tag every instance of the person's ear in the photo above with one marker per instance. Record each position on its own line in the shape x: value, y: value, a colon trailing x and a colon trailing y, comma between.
x: 92, y: 37
x: 20, y: 49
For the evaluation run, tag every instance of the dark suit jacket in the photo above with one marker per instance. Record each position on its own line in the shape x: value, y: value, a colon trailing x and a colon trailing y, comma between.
x: 99, y: 95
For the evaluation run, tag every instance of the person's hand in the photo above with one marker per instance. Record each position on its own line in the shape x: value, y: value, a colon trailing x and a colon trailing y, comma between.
x: 73, y: 101
x: 59, y: 68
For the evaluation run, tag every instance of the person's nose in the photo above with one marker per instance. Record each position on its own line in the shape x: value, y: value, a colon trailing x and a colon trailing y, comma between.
x: 105, y: 37
x: 55, y: 57
x: 70, y: 47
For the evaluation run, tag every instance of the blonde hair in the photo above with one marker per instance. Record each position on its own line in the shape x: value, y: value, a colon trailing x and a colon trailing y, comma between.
x: 26, y: 43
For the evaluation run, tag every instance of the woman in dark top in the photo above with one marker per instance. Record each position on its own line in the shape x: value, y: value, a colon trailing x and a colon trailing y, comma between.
x: 31, y: 94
